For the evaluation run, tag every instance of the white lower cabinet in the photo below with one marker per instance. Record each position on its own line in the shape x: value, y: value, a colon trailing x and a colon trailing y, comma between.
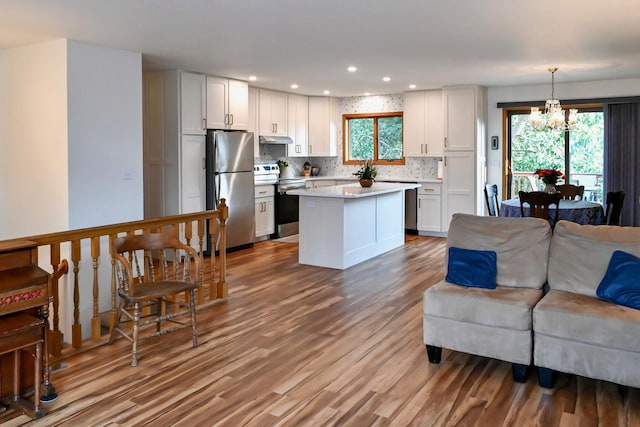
x: 429, y: 207
x: 265, y: 220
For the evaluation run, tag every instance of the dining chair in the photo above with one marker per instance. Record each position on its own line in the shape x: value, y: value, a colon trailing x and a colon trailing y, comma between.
x: 539, y: 202
x: 614, y: 202
x: 570, y: 191
x: 491, y: 197
x: 157, y: 278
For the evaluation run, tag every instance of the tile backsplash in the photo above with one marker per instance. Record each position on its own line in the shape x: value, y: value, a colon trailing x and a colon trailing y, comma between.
x: 415, y: 167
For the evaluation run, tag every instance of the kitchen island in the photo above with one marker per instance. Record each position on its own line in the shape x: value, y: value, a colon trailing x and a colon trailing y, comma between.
x: 343, y: 225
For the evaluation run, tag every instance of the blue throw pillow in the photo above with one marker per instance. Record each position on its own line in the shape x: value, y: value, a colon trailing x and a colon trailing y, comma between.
x: 621, y: 283
x: 469, y: 267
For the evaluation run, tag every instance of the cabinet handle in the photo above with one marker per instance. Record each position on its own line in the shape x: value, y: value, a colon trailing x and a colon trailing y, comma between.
x: 426, y: 148
x: 231, y: 115
x: 310, y: 149
x: 419, y: 204
x: 226, y: 119
x: 262, y: 192
x: 445, y: 141
x: 445, y: 160
x: 428, y: 189
x: 204, y: 163
x: 204, y: 123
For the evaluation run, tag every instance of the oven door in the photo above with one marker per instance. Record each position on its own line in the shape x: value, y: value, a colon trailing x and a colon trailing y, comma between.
x: 287, y: 214
x: 287, y: 208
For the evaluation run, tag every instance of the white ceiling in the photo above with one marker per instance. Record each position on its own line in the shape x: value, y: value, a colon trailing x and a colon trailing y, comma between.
x: 431, y: 43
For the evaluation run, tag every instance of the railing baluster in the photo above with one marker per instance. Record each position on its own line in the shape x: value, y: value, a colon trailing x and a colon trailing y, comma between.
x: 114, y: 289
x: 55, y: 335
x: 201, y: 231
x: 76, y: 328
x: 95, y: 320
x: 223, y: 290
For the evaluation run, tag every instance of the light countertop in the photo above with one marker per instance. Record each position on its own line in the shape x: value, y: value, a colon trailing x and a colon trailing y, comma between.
x: 353, y: 191
x: 378, y: 178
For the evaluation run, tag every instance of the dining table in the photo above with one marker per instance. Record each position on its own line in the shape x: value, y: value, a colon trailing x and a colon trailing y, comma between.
x: 578, y: 211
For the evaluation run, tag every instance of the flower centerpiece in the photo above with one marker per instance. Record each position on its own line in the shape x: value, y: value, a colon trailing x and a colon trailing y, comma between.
x: 366, y: 174
x: 550, y: 178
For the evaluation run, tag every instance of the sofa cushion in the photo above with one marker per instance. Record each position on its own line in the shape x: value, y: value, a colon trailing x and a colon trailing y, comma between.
x: 502, y: 307
x: 621, y: 282
x: 521, y: 246
x: 473, y: 268
x: 587, y: 319
x: 580, y: 254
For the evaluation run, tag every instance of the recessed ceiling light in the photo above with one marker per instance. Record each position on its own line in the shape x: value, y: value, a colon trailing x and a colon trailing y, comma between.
x: 367, y: 93
x: 326, y: 92
x: 294, y: 86
x: 412, y: 86
x: 386, y: 78
x: 252, y: 78
x: 352, y: 69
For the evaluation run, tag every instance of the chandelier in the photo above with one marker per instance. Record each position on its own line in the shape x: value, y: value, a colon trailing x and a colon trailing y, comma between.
x: 553, y: 116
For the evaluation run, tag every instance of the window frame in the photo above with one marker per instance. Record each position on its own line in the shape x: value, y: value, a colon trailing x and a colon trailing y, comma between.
x: 375, y: 116
x: 508, y: 112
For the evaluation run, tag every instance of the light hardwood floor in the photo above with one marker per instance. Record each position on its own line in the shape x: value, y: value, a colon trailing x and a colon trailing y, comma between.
x: 297, y: 345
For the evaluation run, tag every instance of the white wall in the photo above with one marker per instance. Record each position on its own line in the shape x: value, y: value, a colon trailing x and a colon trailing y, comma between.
x: 35, y: 146
x: 596, y: 89
x: 4, y: 214
x: 105, y: 135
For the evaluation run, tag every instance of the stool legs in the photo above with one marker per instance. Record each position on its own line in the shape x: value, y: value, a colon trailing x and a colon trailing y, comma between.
x: 34, y: 410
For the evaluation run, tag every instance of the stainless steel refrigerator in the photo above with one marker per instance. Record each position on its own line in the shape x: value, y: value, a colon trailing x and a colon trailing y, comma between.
x: 229, y: 175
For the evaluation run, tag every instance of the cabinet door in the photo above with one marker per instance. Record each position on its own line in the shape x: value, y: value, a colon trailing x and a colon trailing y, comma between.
x: 429, y: 213
x: 413, y: 123
x: 459, y: 119
x: 434, y: 140
x: 193, y: 104
x: 273, y: 113
x: 458, y: 186
x: 192, y: 174
x: 265, y: 223
x: 217, y: 94
x: 279, y: 112
x: 323, y: 126
x: 238, y: 105
x: 265, y: 124
x: 298, y: 123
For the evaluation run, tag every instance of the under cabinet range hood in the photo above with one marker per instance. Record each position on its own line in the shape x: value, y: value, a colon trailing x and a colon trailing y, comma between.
x: 280, y: 140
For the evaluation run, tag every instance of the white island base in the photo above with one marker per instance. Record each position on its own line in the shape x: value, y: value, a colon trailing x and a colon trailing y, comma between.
x: 344, y: 225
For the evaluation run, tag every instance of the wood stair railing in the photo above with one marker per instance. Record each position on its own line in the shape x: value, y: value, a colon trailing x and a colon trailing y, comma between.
x: 90, y: 244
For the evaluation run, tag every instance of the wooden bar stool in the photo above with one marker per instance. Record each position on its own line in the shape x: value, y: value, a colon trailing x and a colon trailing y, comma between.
x: 24, y: 332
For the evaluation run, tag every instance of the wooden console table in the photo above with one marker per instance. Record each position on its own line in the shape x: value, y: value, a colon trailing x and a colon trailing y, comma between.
x: 24, y: 309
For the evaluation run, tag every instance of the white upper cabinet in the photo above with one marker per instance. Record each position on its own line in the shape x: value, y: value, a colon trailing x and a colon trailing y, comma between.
x: 413, y: 123
x: 435, y: 124
x: 253, y: 119
x: 324, y: 119
x: 422, y: 123
x: 272, y: 113
x: 193, y: 104
x: 227, y: 104
x: 298, y: 121
x: 460, y: 114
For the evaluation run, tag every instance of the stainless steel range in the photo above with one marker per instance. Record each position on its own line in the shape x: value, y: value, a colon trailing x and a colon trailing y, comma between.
x: 286, y: 205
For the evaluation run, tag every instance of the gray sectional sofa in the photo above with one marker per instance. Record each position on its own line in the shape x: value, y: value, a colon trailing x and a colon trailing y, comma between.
x: 544, y: 310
